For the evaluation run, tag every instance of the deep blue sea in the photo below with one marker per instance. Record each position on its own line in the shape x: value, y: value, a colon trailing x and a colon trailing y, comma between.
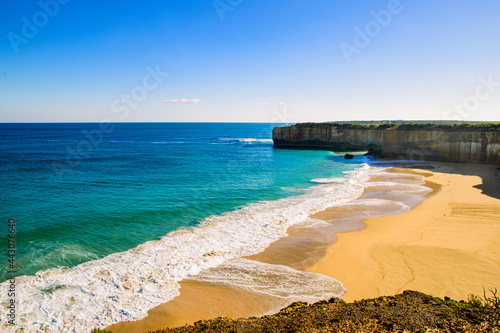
x: 78, y: 192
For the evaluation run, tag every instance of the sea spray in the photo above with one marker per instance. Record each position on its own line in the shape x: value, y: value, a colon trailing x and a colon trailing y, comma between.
x: 272, y: 280
x: 123, y: 286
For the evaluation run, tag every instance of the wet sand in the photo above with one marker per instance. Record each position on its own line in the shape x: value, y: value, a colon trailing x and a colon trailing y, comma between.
x: 304, y: 246
x: 199, y: 301
x: 449, y: 245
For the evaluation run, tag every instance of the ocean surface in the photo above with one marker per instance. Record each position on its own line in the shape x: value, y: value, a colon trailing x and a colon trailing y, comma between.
x: 110, y: 218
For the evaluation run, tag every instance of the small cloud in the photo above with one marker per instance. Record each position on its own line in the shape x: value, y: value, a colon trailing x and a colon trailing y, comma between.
x: 246, y: 107
x: 183, y: 100
x: 281, y: 103
x: 265, y: 103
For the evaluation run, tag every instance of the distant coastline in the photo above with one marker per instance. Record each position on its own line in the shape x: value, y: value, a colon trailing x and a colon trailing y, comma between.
x: 477, y: 142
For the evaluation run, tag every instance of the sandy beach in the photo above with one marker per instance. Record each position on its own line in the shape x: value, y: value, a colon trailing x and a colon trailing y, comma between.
x: 448, y: 245
x: 199, y: 301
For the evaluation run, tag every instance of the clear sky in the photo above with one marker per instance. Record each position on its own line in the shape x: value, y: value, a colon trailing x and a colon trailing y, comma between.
x: 249, y: 60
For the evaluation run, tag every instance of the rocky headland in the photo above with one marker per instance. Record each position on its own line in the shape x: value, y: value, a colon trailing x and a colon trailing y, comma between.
x: 447, y: 142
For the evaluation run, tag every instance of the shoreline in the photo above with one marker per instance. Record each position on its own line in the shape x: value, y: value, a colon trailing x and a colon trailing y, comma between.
x: 449, y: 245
x: 199, y: 301
x: 299, y: 250
x: 383, y: 256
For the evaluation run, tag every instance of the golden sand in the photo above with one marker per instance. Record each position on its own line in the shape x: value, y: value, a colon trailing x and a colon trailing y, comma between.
x: 449, y: 245
x: 199, y: 301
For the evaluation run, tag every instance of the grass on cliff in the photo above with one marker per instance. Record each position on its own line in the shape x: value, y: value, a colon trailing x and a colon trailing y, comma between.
x: 490, y: 299
x: 410, y: 311
x: 412, y: 125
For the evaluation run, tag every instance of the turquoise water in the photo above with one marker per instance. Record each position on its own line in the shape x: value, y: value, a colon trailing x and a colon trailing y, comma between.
x: 77, y: 198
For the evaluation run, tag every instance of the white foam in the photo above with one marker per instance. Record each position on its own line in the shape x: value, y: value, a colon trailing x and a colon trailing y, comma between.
x: 244, y: 140
x: 166, y: 142
x: 293, y: 189
x: 311, y: 223
x: 59, y: 254
x: 327, y: 180
x: 400, y: 175
x: 398, y: 187
x: 255, y: 140
x: 273, y: 280
x: 380, y: 207
x: 123, y: 286
x: 391, y: 162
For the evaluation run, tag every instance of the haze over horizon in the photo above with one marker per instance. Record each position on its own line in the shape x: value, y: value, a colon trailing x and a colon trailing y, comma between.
x: 249, y: 61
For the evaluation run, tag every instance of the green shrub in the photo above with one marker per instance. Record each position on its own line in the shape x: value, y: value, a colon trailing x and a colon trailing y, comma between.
x: 475, y: 301
x: 450, y: 302
x: 336, y: 300
x: 486, y: 301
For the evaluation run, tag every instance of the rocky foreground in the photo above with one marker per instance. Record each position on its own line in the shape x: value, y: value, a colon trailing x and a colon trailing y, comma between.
x: 410, y: 311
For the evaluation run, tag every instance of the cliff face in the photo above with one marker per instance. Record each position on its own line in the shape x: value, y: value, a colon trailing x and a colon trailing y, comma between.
x: 438, y: 143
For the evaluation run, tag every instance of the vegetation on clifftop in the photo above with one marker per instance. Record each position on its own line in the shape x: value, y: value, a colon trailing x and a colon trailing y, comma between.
x: 411, y: 125
x: 410, y: 311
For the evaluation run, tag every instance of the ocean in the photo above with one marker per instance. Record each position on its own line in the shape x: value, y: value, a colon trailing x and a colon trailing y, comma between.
x: 109, y: 218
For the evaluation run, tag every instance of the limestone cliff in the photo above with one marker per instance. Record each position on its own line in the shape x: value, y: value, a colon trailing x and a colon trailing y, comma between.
x: 459, y: 143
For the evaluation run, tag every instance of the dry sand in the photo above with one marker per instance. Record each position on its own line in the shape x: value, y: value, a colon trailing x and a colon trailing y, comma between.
x: 449, y: 245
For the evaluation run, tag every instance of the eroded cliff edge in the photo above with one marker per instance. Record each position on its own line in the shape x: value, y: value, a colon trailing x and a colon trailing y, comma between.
x: 451, y: 143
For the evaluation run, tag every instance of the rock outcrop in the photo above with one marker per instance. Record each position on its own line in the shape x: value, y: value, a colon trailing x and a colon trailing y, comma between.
x: 410, y: 311
x: 458, y: 143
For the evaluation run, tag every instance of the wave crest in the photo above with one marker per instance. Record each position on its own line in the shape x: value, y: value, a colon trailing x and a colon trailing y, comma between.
x: 123, y: 286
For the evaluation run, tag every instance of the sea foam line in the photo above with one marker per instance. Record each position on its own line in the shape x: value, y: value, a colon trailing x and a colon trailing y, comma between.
x: 123, y: 286
x: 273, y: 280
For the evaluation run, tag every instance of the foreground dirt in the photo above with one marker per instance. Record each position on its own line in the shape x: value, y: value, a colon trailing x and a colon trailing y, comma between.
x: 408, y: 312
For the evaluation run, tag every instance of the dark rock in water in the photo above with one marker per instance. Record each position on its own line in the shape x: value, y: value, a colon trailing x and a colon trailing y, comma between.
x: 348, y: 156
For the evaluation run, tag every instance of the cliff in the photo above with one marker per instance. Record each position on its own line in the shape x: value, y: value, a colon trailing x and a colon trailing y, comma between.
x: 422, y: 141
x: 410, y: 311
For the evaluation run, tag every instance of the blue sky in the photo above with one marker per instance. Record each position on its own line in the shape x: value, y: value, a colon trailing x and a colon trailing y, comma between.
x: 249, y: 60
